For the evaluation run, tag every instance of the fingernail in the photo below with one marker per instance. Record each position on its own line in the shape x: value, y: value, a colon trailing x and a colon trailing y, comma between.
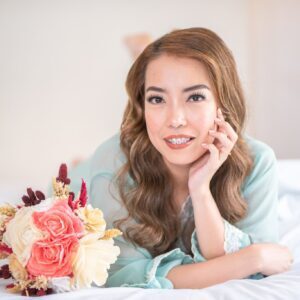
x: 218, y: 120
x: 219, y: 110
x: 211, y: 131
x: 204, y: 145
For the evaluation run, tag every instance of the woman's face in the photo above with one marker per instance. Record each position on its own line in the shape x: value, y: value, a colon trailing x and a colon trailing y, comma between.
x: 178, y: 92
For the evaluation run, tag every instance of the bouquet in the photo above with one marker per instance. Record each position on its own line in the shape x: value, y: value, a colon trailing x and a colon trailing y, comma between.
x: 55, y: 244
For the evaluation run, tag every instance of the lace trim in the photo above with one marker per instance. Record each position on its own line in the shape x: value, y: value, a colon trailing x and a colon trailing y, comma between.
x: 185, y: 214
x: 233, y: 237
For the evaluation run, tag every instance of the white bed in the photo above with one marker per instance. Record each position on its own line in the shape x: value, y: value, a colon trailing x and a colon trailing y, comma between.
x: 282, y: 286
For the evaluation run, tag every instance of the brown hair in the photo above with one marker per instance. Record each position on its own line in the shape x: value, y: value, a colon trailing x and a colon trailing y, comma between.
x: 149, y: 199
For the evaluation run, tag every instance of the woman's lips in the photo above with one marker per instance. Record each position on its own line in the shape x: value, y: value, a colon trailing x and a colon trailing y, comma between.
x: 179, y: 146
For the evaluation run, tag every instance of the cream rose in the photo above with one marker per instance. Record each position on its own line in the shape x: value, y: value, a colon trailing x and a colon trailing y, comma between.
x: 21, y: 233
x: 46, y: 204
x: 93, y: 219
x: 92, y: 260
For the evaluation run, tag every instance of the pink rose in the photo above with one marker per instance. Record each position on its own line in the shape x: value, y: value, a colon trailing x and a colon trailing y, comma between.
x: 59, y: 221
x: 52, y: 258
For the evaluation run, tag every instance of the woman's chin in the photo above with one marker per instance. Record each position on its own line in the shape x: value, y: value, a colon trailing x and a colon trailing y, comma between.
x: 184, y: 159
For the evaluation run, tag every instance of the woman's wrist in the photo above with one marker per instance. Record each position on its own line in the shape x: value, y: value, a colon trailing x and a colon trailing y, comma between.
x: 255, y: 257
x: 201, y: 193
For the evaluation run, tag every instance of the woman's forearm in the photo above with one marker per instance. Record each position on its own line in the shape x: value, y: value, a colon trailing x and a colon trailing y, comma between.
x: 237, y: 265
x: 209, y: 225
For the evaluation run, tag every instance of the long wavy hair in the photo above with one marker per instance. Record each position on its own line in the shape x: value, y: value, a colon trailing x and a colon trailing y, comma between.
x: 144, y: 182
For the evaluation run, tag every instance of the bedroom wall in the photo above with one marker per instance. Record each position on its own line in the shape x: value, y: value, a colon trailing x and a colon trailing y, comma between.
x: 274, y: 72
x: 64, y: 64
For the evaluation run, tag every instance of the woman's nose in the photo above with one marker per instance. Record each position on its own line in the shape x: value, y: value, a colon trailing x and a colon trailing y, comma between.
x: 177, y: 117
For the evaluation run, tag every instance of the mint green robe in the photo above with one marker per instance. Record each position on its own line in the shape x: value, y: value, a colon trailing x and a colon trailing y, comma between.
x: 135, y: 267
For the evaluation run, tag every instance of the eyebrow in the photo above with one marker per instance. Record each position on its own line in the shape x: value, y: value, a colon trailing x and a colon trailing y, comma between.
x: 188, y: 89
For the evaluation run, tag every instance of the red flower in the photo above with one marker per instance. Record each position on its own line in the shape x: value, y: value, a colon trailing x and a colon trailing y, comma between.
x: 63, y: 174
x: 52, y: 258
x: 59, y: 221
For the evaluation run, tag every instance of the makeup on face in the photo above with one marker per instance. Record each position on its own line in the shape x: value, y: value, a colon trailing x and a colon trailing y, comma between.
x: 178, y: 92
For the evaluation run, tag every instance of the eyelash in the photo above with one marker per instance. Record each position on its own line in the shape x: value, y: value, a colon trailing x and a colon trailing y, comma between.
x: 193, y: 95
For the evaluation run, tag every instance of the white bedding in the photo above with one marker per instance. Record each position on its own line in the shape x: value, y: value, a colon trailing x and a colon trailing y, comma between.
x: 282, y: 286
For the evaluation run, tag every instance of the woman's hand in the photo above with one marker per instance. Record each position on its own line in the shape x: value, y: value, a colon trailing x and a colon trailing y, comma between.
x: 273, y: 258
x: 202, y: 171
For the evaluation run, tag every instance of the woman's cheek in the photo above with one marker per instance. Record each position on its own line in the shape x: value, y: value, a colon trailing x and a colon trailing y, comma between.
x: 154, y: 122
x: 204, y: 122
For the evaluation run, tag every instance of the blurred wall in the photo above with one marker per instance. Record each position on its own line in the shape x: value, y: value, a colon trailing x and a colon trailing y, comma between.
x: 274, y: 44
x: 63, y: 66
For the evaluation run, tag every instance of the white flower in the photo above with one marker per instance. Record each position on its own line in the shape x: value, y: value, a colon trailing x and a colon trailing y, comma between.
x: 45, y: 204
x: 21, y: 234
x: 61, y: 284
x: 92, y: 260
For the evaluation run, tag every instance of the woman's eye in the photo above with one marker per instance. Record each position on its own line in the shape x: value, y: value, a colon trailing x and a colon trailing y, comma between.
x: 154, y: 100
x: 158, y: 100
x: 197, y: 97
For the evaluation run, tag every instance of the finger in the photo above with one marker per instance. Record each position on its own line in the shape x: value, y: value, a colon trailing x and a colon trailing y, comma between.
x: 226, y: 143
x: 225, y: 126
x: 220, y: 114
x: 213, y: 151
x: 221, y: 117
x: 227, y: 129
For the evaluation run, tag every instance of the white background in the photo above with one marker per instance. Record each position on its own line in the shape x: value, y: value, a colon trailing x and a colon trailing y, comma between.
x: 63, y: 67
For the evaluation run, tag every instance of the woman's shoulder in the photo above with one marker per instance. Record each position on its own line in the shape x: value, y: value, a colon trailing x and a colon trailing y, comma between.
x: 108, y: 156
x: 260, y: 150
x: 264, y: 158
x: 104, y: 161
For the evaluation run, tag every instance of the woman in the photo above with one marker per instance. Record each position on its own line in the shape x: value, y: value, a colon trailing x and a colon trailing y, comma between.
x: 195, y: 197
